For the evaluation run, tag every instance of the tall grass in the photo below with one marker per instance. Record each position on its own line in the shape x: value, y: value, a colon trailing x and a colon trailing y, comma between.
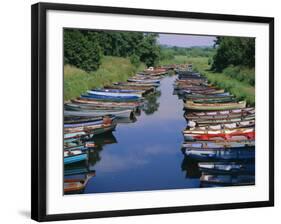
x: 112, y: 69
x: 239, y: 81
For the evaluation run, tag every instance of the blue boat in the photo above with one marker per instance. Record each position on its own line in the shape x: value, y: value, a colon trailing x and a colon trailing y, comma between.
x: 113, y: 98
x: 231, y: 154
x: 74, y: 156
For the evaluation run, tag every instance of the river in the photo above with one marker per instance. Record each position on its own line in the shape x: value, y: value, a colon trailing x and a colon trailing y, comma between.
x: 146, y: 154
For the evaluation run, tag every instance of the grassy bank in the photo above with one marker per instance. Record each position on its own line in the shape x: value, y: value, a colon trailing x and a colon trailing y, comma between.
x: 112, y: 69
x: 237, y: 80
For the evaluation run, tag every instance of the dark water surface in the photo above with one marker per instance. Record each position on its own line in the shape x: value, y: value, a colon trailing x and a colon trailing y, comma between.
x: 146, y: 154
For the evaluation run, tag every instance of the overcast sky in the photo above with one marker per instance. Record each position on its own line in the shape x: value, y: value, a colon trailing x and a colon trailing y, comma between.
x: 186, y: 40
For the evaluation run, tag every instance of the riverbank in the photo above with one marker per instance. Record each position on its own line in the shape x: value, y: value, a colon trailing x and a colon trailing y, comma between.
x: 112, y: 69
x: 242, y: 90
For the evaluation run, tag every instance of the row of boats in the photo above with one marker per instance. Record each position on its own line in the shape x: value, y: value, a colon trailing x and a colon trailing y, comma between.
x: 98, y: 112
x: 220, y: 133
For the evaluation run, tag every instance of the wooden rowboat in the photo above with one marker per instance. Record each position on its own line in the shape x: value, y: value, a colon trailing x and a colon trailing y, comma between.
x: 226, y: 180
x: 103, y: 120
x: 145, y: 81
x: 116, y: 94
x: 220, y: 131
x: 227, y: 168
x: 87, y: 106
x: 74, y: 156
x: 76, y: 185
x: 214, y: 106
x: 215, y: 100
x: 93, y: 113
x: 240, y: 124
x: 204, y: 122
x: 136, y: 84
x: 76, y: 119
x: 103, y: 103
x: 234, y: 154
x: 109, y: 96
x: 237, y: 135
x: 217, y: 145
x: 207, y: 91
x: 247, y: 110
x: 116, y: 90
x: 145, y: 89
x: 91, y: 129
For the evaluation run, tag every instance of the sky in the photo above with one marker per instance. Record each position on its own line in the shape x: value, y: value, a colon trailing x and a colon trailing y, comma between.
x: 185, y: 40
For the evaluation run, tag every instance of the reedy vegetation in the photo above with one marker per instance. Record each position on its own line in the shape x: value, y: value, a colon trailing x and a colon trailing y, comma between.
x: 112, y: 69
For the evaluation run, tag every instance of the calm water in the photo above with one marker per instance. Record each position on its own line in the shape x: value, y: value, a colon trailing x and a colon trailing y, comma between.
x: 146, y: 154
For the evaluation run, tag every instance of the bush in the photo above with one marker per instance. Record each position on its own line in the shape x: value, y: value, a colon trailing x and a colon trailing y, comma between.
x: 135, y: 60
x: 242, y: 74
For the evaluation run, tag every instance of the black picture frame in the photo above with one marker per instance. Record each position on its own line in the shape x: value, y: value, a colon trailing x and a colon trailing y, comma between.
x: 38, y: 108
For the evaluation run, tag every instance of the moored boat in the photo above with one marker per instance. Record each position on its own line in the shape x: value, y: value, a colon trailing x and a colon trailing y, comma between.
x: 230, y: 135
x: 190, y: 105
x: 103, y: 120
x: 116, y: 94
x: 144, y: 80
x: 226, y: 180
x: 192, y: 125
x: 74, y: 156
x: 91, y: 129
x: 93, y: 113
x: 227, y: 168
x: 203, y: 122
x: 76, y: 185
x: 231, y: 154
x: 217, y: 144
x: 213, y: 114
x: 110, y: 97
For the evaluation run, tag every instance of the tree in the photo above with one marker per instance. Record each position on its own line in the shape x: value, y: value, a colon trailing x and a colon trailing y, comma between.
x: 148, y: 50
x: 234, y: 51
x: 81, y: 49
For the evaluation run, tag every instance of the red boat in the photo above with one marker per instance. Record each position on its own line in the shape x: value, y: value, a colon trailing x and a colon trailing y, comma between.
x: 228, y: 136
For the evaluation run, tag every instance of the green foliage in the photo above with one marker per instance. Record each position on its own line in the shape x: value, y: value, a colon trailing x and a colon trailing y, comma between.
x: 241, y: 73
x: 236, y: 51
x: 186, y: 51
x: 135, y: 60
x: 112, y: 69
x: 148, y: 50
x: 81, y: 50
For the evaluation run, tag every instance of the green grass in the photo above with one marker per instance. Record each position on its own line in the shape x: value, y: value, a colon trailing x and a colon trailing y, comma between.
x: 112, y: 69
x: 238, y: 81
x: 180, y: 59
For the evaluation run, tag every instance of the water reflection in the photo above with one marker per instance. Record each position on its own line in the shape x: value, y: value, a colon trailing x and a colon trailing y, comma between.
x: 190, y: 168
x: 151, y: 104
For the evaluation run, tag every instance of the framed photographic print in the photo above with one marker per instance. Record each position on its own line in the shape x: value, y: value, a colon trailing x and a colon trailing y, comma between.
x: 139, y: 111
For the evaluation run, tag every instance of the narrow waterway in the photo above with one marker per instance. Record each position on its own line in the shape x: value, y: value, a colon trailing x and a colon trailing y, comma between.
x: 146, y: 154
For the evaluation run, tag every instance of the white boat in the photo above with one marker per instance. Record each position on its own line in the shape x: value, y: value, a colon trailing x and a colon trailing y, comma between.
x: 144, y: 80
x: 118, y: 94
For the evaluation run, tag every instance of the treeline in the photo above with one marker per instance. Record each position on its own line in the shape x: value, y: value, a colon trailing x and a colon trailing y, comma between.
x: 168, y: 52
x: 235, y: 57
x: 234, y: 51
x: 84, y: 48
